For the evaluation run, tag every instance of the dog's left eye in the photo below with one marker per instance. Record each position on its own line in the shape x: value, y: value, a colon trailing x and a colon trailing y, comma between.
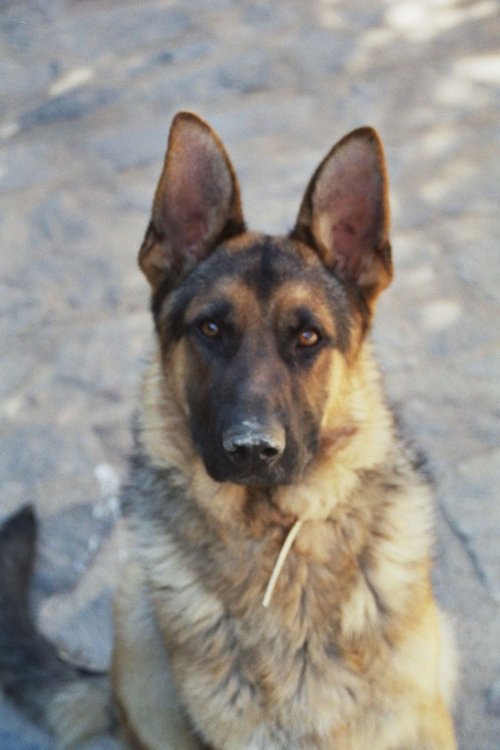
x: 209, y: 329
x: 308, y: 338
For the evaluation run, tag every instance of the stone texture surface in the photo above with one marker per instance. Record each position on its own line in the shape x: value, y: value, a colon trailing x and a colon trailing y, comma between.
x: 87, y: 91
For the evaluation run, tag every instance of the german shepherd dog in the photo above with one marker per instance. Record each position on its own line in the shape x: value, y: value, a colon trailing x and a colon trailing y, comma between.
x: 277, y: 593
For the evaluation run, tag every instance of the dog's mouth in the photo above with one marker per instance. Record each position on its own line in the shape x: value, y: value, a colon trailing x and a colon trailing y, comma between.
x: 250, y: 476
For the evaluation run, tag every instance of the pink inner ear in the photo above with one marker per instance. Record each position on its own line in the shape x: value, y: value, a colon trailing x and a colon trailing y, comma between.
x: 348, y: 205
x: 186, y: 207
x: 198, y: 191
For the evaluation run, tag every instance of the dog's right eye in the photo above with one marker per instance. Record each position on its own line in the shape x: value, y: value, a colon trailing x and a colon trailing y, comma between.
x: 209, y: 329
x: 308, y: 338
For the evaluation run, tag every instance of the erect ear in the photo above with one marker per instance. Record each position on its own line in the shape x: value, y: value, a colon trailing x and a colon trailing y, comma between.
x: 345, y: 213
x: 196, y: 204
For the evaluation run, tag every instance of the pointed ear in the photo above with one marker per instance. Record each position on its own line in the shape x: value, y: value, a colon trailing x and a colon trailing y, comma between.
x: 345, y: 213
x: 196, y: 204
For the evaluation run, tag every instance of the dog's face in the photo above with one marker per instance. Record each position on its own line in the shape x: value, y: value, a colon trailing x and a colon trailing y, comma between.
x: 251, y: 327
x: 257, y: 325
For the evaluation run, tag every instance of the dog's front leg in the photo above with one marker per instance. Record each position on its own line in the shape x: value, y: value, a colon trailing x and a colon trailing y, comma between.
x: 149, y: 712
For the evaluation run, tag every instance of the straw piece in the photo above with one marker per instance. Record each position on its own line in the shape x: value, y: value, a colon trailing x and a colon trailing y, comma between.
x: 278, y: 566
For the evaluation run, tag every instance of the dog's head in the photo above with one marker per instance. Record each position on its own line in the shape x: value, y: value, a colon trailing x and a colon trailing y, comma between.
x: 255, y: 331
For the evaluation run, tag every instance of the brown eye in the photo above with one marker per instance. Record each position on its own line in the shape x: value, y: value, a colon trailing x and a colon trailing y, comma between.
x: 307, y: 338
x: 209, y: 329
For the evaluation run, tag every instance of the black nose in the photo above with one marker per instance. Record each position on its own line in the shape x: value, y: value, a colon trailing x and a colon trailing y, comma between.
x: 249, y: 445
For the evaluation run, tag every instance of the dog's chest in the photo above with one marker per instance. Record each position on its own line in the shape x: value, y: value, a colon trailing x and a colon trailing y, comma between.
x: 235, y: 658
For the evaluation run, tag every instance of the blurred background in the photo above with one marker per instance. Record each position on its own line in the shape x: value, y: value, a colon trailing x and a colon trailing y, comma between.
x: 87, y: 92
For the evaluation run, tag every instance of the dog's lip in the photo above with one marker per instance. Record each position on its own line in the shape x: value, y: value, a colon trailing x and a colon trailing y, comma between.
x: 282, y: 473
x: 275, y: 477
x: 254, y: 480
